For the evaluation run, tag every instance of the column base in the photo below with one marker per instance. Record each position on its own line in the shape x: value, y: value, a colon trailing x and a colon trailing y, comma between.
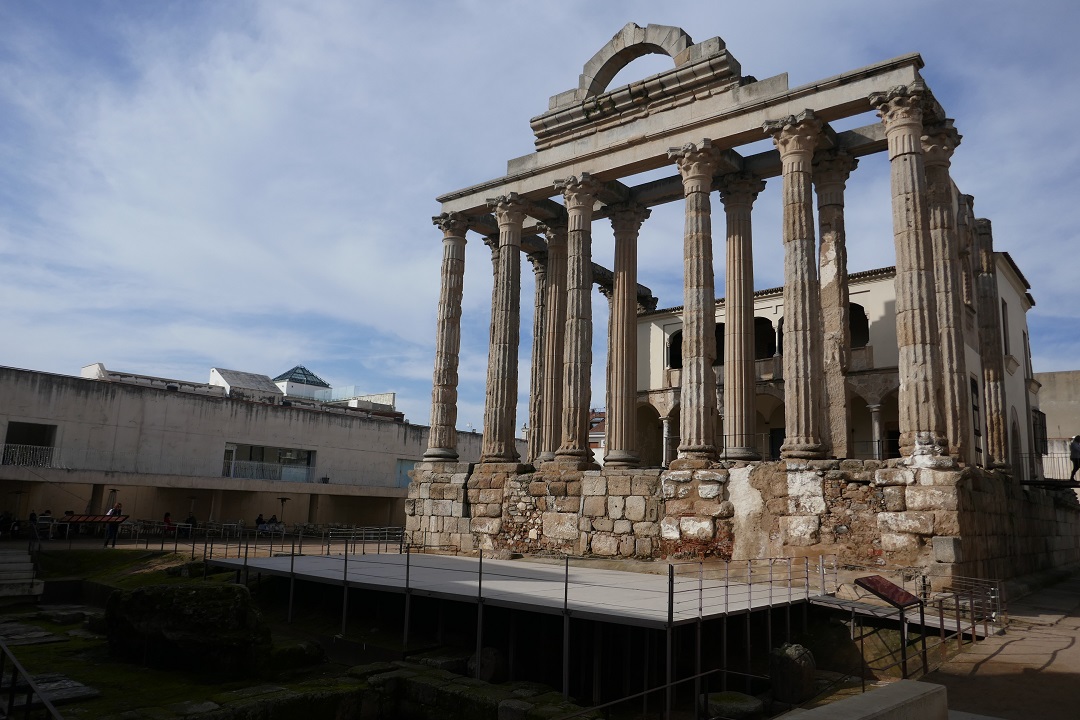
x: 621, y: 458
x: 687, y: 461
x: 575, y: 460
x: 802, y: 451
x: 739, y: 453
x: 441, y: 455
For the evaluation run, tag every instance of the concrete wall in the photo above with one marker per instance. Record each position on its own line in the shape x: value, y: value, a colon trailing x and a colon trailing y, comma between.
x: 1059, y: 398
x: 134, y: 438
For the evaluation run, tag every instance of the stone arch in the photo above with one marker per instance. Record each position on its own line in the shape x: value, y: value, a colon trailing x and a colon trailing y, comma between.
x: 629, y: 44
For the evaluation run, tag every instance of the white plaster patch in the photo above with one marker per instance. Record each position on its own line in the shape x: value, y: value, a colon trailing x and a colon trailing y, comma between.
x: 751, y: 540
x: 806, y: 495
x: 669, y: 528
x: 696, y: 528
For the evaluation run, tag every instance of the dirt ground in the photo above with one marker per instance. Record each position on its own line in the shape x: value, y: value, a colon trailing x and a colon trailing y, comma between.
x: 1032, y: 672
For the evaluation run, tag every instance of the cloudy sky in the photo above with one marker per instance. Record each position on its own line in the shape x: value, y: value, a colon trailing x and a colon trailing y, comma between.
x: 246, y: 185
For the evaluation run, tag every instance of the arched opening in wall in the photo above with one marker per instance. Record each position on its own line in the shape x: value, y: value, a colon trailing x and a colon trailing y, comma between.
x: 674, y: 350
x: 780, y: 336
x: 890, y: 425
x: 858, y: 325
x: 769, y: 433
x: 650, y: 437
x: 764, y: 339
x: 719, y: 334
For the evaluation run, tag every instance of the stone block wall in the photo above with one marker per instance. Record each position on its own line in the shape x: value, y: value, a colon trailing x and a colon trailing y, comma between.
x: 969, y: 522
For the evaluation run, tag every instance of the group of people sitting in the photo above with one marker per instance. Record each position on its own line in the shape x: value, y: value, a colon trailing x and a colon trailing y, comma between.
x: 271, y: 525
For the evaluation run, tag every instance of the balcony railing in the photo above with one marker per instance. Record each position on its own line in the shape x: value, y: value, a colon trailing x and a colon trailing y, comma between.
x: 28, y: 456
x: 250, y: 470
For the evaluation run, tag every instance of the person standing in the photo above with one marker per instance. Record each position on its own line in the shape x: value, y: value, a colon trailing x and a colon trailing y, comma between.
x: 1074, y: 455
x: 112, y: 527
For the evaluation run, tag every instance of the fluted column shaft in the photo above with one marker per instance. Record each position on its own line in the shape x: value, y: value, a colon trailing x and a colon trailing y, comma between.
x: 831, y: 172
x: 442, y: 438
x: 501, y: 398
x: 796, y: 138
x: 579, y: 196
x: 991, y: 347
x: 738, y: 193
x: 539, y: 370
x: 555, y: 327
x: 922, y: 419
x: 622, y: 333
x: 938, y: 145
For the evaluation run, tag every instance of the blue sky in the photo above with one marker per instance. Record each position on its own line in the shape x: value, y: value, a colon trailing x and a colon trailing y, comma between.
x: 250, y: 185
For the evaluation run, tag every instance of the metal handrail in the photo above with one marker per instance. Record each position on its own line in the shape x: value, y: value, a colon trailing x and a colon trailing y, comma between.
x: 19, y: 678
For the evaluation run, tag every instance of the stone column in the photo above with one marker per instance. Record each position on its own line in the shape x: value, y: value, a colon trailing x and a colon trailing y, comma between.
x: 938, y: 144
x: 555, y: 328
x: 738, y: 193
x: 697, y: 419
x: 875, y: 431
x: 831, y: 171
x: 501, y: 398
x: 622, y: 341
x: 442, y: 438
x: 579, y: 194
x: 991, y: 346
x: 922, y: 419
x: 796, y: 137
x: 665, y: 450
x: 537, y: 399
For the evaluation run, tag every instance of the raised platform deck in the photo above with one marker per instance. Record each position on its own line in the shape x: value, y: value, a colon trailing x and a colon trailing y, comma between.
x: 612, y: 596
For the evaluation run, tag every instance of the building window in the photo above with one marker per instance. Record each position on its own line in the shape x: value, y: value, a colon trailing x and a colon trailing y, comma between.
x: 675, y: 350
x: 1005, y: 326
x: 858, y: 325
x: 29, y: 444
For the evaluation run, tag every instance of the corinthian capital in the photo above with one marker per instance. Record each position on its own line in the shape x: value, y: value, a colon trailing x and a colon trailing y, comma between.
x: 900, y: 105
x: 626, y: 219
x: 795, y: 134
x: 739, y: 189
x: 451, y: 223
x: 579, y: 191
x: 939, y: 142
x: 538, y: 259
x: 509, y: 209
x: 697, y: 164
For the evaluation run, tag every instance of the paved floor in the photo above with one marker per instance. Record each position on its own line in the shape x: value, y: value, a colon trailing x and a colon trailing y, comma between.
x: 627, y: 598
x: 1032, y: 672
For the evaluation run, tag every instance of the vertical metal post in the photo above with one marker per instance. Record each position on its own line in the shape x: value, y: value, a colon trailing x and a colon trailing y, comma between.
x: 903, y: 643
x: 922, y: 624
x: 566, y: 629
x: 479, y: 612
x: 971, y: 597
x: 408, y: 606
x: 292, y: 579
x: 670, y: 649
x: 959, y: 628
x: 862, y: 647
x: 247, y: 576
x: 821, y: 564
x: 344, y: 590
x: 301, y: 547
x: 697, y: 658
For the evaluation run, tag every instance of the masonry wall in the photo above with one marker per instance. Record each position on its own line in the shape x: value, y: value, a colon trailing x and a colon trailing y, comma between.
x: 870, y: 513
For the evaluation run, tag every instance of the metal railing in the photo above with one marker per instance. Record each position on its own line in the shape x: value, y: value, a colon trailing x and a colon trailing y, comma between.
x: 251, y: 470
x: 27, y: 455
x: 21, y: 695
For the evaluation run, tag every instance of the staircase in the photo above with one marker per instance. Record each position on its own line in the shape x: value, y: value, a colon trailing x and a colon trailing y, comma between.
x: 17, y: 577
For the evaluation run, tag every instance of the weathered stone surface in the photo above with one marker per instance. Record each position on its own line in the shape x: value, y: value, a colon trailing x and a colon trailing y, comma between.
x: 894, y: 476
x: 893, y: 497
x: 634, y: 509
x: 486, y: 525
x: 645, y: 529
x: 615, y: 506
x: 805, y: 493
x: 560, y: 526
x: 669, y: 528
x: 603, y: 544
x: 593, y: 485
x: 919, y: 523
x: 618, y: 485
x: 899, y: 542
x: 791, y: 669
x: 801, y: 530
x: 947, y: 549
x: 695, y: 528
x: 735, y: 705
x: 726, y: 509
x: 709, y: 490
x: 213, y: 628
x: 933, y: 497
x: 594, y: 505
x: 678, y: 476
x: 622, y: 527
